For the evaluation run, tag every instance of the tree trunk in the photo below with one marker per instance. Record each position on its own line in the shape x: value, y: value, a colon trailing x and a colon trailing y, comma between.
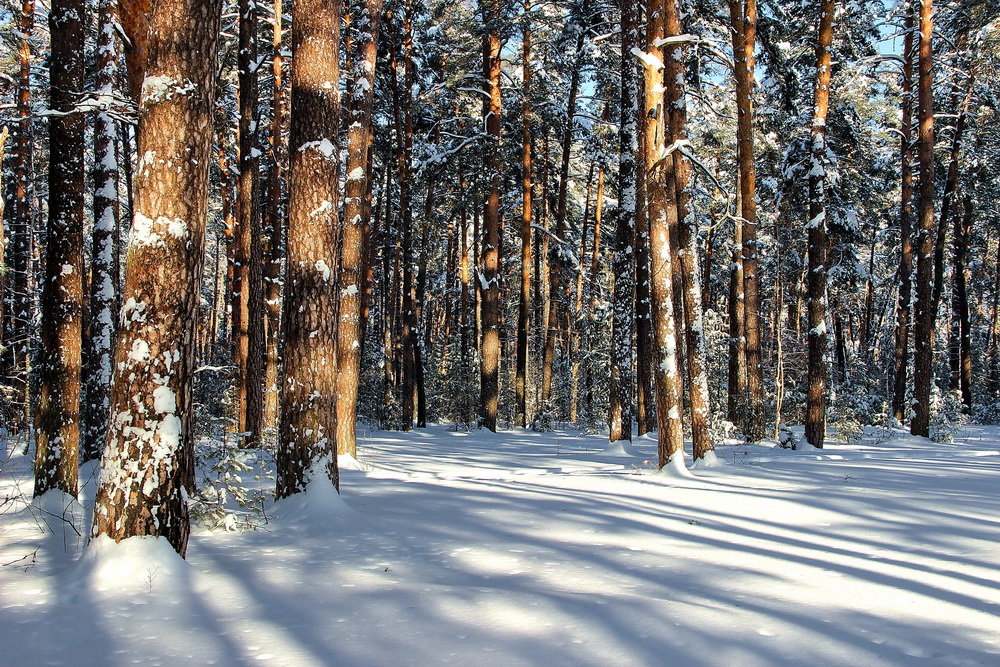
x: 364, y: 25
x: 558, y: 258
x: 104, y: 257
x: 248, y: 322
x: 14, y: 359
x: 524, y: 304
x: 961, y: 348
x: 923, y: 334
x: 661, y: 206
x: 623, y: 303
x: 62, y: 291
x: 276, y: 222
x: 819, y: 242
x: 148, y: 465
x: 306, y: 448
x: 687, y: 236
x: 490, y: 358
x: 743, y: 15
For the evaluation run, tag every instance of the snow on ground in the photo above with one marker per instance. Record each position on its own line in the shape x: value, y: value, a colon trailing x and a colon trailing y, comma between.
x: 523, y: 548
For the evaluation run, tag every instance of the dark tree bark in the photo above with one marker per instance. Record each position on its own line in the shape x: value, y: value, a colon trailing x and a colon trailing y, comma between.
x: 623, y: 302
x: 62, y: 289
x: 307, y: 421
x: 276, y: 223
x: 902, y: 341
x: 819, y: 242
x: 103, y: 300
x: 248, y: 322
x: 14, y: 359
x: 923, y: 334
x: 147, y: 468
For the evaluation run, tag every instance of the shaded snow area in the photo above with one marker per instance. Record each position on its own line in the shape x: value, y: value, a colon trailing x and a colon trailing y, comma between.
x: 541, y: 549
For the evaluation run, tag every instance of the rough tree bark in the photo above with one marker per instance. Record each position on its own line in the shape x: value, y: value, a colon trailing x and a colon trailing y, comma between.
x: 147, y: 467
x: 104, y: 255
x: 14, y: 359
x: 524, y: 303
x: 623, y: 308
x: 490, y: 359
x: 661, y: 206
x: 819, y: 243
x: 364, y: 25
x: 62, y: 290
x: 307, y: 421
x: 902, y: 342
x: 248, y: 322
x: 696, y: 377
x: 923, y: 333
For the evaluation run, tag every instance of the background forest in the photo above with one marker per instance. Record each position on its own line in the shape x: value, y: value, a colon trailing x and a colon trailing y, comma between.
x: 724, y: 220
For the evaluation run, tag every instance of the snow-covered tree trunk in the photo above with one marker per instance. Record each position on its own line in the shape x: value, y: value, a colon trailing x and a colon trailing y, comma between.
x: 743, y: 17
x: 661, y: 207
x: 819, y: 242
x: 62, y: 290
x: 147, y: 468
x: 902, y: 333
x: 364, y: 26
x: 248, y: 313
x: 104, y: 251
x: 490, y: 357
x: 687, y: 236
x: 623, y: 264
x: 960, y: 346
x: 306, y: 449
x: 924, y: 307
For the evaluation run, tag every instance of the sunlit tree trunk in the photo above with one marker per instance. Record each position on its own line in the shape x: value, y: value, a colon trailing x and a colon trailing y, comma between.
x: 661, y: 206
x: 490, y: 358
x: 923, y: 333
x: 307, y: 422
x: 364, y: 25
x: 696, y: 377
x: 524, y: 303
x: 819, y: 242
x: 147, y: 468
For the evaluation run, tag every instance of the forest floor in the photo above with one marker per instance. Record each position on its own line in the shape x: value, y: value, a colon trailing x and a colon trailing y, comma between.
x: 523, y: 548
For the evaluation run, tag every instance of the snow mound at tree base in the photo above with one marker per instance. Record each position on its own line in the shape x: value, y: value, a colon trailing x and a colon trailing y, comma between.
x: 620, y: 449
x: 710, y: 460
x: 319, y: 505
x: 674, y: 469
x: 136, y: 566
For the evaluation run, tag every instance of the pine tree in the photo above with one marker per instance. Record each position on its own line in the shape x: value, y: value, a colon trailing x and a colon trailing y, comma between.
x: 62, y: 289
x: 147, y: 468
x: 307, y: 422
